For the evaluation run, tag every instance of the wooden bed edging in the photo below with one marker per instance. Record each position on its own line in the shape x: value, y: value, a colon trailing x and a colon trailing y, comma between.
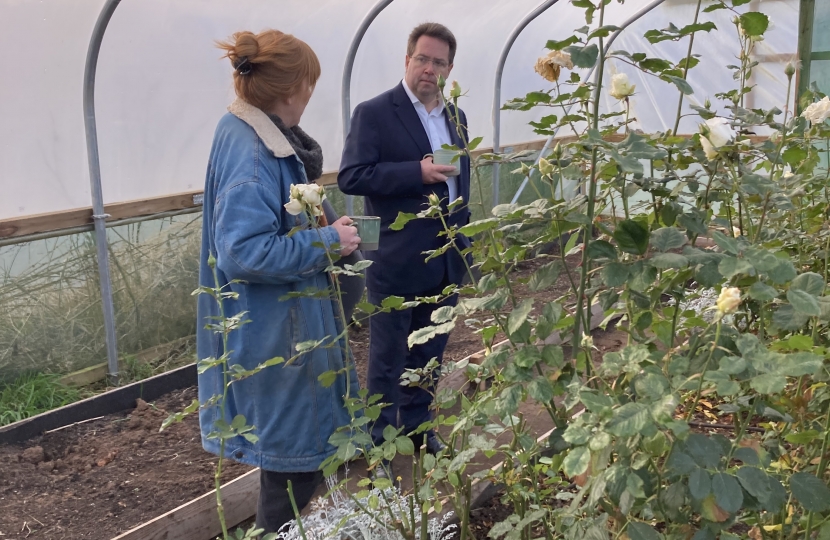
x: 115, y: 400
x: 198, y: 519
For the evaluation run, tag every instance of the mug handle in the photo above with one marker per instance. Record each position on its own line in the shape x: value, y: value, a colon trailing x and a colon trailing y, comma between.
x: 429, y: 155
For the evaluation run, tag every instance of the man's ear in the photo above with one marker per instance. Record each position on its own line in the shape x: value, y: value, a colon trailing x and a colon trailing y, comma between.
x: 406, y: 62
x: 449, y: 70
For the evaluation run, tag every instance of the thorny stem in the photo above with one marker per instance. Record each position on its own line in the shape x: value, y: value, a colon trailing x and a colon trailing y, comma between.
x: 686, y: 69
x: 822, y: 465
x: 592, y: 193
x: 345, y: 334
x: 296, y: 511
x: 217, y: 476
x: 703, y: 373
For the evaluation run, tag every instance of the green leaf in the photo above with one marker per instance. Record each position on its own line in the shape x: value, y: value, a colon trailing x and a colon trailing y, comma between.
x: 603, y: 31
x: 728, y: 494
x: 726, y: 243
x: 680, y: 83
x: 442, y: 314
x: 802, y: 437
x: 595, y: 402
x: 327, y: 379
x: 405, y: 446
x: 812, y: 493
x: 600, y: 249
x: 755, y: 482
x: 559, y: 45
x: 576, y: 462
x: 641, y: 531
x: 784, y: 272
x: 768, y: 383
x: 392, y: 302
x: 804, y: 302
x: 422, y: 335
x: 809, y: 282
x: 762, y: 292
x: 584, y: 57
x: 402, y: 219
x: 476, y: 227
x: 731, y: 266
x: 700, y: 484
x: 472, y: 145
x: 628, y: 420
x: 787, y: 318
x: 540, y: 389
x: 519, y: 315
x: 708, y: 274
x: 632, y: 236
x: 704, y: 450
x: 389, y: 433
x: 669, y: 260
x: 710, y: 510
x: 545, y: 276
x: 754, y: 23
x: 576, y: 435
x: 667, y: 238
x: 794, y: 156
x: 614, y: 274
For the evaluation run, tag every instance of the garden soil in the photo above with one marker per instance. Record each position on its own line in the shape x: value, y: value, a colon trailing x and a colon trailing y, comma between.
x: 100, y: 478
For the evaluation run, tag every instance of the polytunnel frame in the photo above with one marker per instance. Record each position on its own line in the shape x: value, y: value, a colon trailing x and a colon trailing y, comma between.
x: 499, y: 72
x: 99, y: 217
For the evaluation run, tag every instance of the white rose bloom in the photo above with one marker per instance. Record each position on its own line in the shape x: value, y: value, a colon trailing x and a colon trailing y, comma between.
x: 293, y: 206
x: 710, y: 151
x: 715, y: 133
x: 621, y: 87
x: 313, y: 195
x: 729, y: 300
x: 817, y: 112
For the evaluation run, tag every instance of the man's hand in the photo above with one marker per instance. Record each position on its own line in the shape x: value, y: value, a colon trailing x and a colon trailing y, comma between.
x: 432, y: 173
x: 348, y: 235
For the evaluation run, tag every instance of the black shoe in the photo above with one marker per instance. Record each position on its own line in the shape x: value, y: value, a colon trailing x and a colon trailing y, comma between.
x: 433, y: 444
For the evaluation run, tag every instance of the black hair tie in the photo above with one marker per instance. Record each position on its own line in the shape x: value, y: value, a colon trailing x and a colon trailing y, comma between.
x: 243, y: 66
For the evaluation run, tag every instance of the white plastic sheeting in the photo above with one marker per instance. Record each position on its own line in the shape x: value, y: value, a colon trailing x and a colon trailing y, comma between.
x: 161, y: 86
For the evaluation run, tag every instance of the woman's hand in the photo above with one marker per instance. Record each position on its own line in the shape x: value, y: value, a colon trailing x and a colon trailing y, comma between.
x: 348, y: 235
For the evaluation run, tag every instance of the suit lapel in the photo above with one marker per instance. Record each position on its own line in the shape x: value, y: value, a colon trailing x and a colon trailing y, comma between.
x: 409, y: 118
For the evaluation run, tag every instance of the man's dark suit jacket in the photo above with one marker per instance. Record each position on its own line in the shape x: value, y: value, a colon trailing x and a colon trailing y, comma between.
x: 381, y: 161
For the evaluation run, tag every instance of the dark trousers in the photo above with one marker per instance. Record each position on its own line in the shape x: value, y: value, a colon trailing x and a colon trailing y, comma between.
x: 389, y: 356
x: 274, y: 507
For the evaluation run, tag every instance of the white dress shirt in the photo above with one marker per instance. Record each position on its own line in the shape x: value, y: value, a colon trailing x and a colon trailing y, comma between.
x: 438, y: 130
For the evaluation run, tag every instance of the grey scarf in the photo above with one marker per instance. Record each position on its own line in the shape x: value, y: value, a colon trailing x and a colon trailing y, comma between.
x: 307, y: 149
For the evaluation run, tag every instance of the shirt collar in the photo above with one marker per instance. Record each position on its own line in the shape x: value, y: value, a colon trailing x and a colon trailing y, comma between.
x: 437, y: 111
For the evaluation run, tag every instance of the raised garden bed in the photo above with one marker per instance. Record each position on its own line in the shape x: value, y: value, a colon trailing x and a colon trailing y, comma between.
x: 100, y: 467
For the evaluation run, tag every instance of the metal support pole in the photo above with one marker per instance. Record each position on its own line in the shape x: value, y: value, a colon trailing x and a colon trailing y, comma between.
x: 806, y: 15
x: 497, y: 87
x: 628, y: 22
x: 346, y: 88
x: 98, y: 216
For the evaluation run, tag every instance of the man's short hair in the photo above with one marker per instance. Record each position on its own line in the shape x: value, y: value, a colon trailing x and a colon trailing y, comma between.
x: 433, y: 30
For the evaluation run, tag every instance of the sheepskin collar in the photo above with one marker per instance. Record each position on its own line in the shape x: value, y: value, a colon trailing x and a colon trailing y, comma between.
x: 265, y: 129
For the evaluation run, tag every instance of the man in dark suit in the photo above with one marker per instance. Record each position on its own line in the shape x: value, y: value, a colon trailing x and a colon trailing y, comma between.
x: 385, y: 159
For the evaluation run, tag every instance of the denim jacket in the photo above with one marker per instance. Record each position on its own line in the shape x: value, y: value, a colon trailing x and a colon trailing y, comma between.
x: 245, y: 227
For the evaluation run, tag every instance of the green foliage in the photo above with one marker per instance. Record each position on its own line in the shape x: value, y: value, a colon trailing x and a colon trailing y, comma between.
x: 33, y: 393
x: 628, y: 455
